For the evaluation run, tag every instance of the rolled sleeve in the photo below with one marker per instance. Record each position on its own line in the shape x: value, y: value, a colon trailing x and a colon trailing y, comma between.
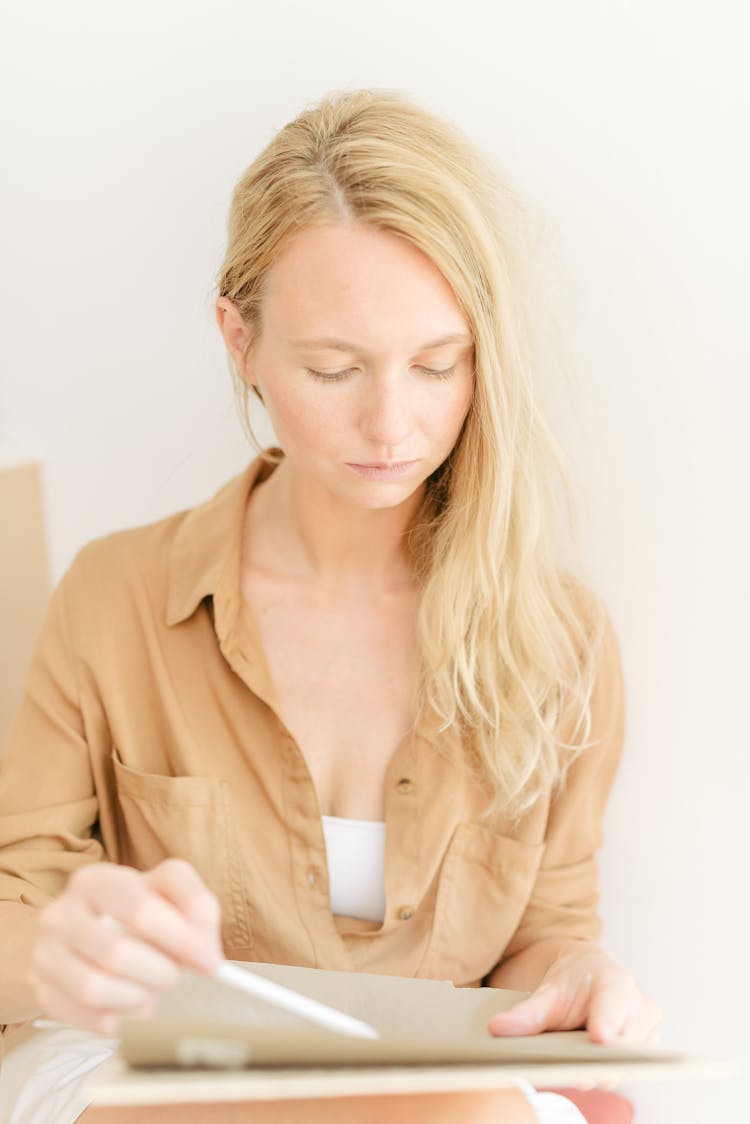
x: 48, y: 806
x: 565, y: 897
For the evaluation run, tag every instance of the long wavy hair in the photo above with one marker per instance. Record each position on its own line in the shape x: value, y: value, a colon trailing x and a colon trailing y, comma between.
x: 506, y: 636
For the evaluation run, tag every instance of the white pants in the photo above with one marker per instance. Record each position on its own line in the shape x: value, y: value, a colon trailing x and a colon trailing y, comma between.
x: 43, y: 1079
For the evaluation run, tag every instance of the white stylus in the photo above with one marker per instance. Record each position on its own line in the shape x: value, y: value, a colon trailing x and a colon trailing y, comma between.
x: 245, y: 980
x: 250, y: 982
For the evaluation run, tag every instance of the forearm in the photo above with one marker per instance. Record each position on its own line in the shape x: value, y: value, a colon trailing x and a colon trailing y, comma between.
x: 525, y: 970
x: 18, y: 924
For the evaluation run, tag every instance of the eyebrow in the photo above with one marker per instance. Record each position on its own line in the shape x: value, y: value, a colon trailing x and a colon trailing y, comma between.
x: 333, y: 344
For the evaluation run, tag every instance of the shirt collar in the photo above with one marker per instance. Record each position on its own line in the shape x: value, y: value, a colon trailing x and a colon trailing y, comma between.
x: 208, y: 541
x: 205, y: 562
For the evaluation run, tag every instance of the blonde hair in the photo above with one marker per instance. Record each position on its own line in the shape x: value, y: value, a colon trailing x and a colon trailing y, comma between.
x: 506, y: 638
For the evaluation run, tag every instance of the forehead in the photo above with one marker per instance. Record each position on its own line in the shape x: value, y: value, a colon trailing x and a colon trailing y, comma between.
x: 357, y: 282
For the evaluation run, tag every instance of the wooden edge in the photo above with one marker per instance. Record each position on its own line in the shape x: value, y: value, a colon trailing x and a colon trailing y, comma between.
x: 117, y: 1084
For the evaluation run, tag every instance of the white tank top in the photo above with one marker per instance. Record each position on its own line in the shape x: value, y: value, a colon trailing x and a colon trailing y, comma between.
x: 356, y: 866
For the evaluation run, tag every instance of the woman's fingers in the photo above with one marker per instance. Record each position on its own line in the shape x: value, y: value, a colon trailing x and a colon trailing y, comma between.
x: 584, y: 990
x: 84, y: 983
x: 115, y: 951
x: 126, y: 895
x: 179, y: 883
x: 532, y: 1015
x: 116, y: 937
x: 614, y: 996
x: 67, y: 1010
x: 643, y: 1024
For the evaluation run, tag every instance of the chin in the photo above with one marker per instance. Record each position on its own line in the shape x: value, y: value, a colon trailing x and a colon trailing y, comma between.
x: 379, y: 496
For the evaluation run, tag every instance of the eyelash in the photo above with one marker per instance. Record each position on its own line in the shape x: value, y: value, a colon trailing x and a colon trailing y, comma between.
x: 336, y: 376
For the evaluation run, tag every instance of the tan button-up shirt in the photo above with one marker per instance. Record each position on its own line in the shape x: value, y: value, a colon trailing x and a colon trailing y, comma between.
x: 149, y: 728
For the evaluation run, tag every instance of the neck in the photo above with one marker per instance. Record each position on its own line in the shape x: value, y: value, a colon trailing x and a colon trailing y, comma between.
x: 312, y: 536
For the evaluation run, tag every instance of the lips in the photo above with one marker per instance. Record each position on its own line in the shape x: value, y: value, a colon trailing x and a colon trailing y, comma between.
x: 382, y: 471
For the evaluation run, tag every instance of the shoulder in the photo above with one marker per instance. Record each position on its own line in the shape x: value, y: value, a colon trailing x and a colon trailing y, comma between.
x: 584, y: 606
x: 181, y: 553
x: 595, y: 722
x: 134, y: 557
x: 594, y: 702
x: 115, y: 592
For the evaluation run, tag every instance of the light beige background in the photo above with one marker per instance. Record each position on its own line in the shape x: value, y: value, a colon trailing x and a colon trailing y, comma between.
x: 624, y: 125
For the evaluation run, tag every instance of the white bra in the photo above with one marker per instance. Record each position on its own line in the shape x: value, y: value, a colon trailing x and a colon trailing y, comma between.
x: 356, y: 866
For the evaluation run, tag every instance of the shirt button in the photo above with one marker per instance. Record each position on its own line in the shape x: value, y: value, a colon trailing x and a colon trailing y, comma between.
x: 311, y: 876
x: 405, y: 913
x: 405, y: 785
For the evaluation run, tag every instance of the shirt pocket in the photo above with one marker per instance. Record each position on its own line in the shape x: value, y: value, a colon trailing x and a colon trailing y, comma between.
x: 189, y: 818
x: 484, y: 884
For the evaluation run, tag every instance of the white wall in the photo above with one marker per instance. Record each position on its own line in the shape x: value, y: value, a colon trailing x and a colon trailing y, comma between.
x: 625, y: 125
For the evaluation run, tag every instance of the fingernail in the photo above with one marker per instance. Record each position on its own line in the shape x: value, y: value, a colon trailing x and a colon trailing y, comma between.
x: 604, y: 1030
x: 108, y: 1026
x: 208, y: 961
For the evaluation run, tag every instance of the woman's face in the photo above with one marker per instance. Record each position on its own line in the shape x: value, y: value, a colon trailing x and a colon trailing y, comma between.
x: 353, y: 361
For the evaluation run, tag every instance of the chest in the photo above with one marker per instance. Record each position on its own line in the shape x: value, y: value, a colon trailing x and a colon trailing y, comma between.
x: 343, y: 680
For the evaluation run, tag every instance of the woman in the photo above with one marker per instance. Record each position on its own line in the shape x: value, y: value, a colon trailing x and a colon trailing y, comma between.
x: 367, y: 628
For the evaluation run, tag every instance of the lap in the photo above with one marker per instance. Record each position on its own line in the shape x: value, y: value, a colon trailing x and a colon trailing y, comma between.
x: 45, y: 1077
x: 503, y: 1107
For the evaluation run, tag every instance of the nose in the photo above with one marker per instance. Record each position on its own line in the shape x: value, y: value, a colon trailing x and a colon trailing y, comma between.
x: 385, y: 414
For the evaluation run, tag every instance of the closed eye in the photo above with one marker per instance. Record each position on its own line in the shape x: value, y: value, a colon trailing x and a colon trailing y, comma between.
x: 323, y: 376
x: 445, y: 373
x: 336, y: 376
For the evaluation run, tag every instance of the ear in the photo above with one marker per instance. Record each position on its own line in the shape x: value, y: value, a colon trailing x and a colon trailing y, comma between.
x: 236, y: 335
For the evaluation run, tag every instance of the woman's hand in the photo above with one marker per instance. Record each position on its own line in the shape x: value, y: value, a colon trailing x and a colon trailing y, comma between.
x: 584, y: 988
x: 88, y: 973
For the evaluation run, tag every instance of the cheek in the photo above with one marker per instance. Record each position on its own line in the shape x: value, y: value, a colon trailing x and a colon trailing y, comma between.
x: 298, y: 416
x: 449, y: 412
